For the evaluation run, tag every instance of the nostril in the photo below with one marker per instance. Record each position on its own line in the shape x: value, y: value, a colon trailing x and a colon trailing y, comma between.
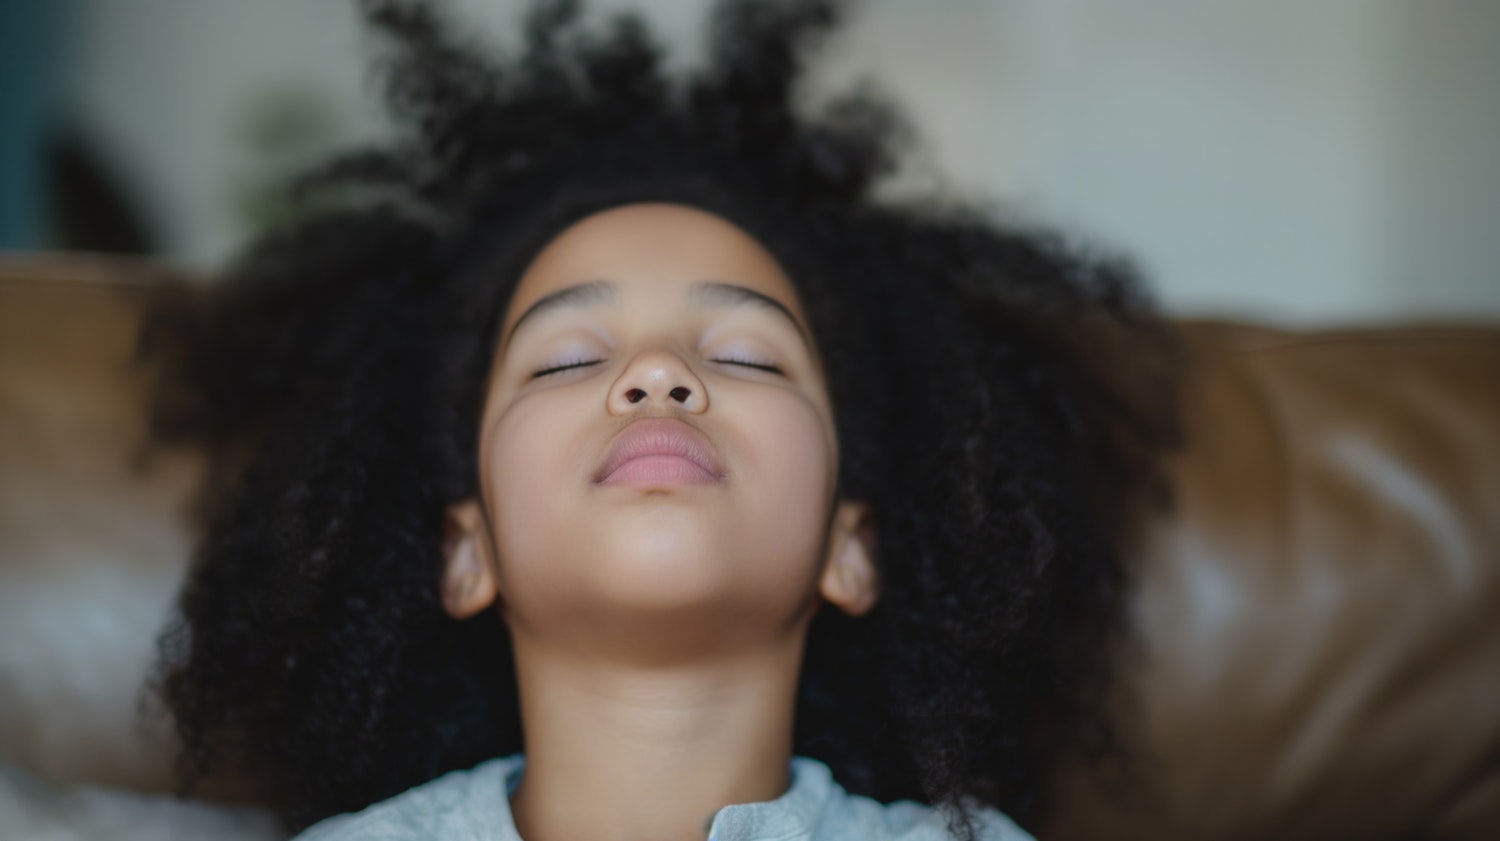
x: 680, y: 393
x: 635, y: 395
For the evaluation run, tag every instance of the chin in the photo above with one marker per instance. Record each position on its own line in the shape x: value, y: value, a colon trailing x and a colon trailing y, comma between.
x: 665, y: 570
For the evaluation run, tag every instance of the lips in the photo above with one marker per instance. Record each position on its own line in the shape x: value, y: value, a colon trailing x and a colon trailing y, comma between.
x: 659, y: 451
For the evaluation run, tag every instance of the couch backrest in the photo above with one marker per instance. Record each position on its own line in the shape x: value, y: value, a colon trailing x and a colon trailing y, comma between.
x: 1317, y: 624
x: 94, y: 525
x: 1318, y: 649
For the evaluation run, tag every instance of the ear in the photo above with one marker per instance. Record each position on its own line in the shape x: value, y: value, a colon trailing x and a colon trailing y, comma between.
x: 851, y: 579
x: 469, y: 584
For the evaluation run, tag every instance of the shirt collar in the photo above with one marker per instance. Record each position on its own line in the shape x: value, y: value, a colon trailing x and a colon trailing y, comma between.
x: 792, y: 815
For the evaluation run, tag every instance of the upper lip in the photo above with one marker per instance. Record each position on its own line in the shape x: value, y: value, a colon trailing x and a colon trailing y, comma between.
x: 659, y: 436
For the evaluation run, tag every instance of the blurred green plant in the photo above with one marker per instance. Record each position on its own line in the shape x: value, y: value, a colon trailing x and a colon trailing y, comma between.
x: 281, y: 133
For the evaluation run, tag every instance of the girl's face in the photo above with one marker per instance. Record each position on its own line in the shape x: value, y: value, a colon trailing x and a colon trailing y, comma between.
x: 657, y: 444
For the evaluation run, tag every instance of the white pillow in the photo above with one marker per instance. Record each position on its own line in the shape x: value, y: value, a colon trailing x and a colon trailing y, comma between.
x: 35, y: 809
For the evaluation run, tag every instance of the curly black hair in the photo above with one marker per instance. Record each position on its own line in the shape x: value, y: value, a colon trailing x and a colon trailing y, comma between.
x: 1002, y: 397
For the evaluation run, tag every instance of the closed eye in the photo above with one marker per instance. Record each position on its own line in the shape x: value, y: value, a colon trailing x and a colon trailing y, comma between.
x: 566, y: 366
x: 760, y: 366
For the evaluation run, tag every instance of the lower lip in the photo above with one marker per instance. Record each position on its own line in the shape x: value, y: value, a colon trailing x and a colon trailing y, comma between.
x: 659, y: 470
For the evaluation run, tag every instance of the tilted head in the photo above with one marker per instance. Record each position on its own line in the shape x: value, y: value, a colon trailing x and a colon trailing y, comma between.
x: 666, y: 331
x: 960, y: 410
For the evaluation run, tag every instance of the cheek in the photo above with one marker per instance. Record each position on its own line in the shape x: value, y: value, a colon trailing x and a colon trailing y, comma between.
x: 791, y: 470
x: 528, y: 460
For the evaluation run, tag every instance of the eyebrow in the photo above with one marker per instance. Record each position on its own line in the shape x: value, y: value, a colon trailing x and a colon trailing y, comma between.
x: 705, y: 293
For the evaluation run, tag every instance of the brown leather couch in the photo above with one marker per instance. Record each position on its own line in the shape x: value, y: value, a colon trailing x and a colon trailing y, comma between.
x: 1318, y: 621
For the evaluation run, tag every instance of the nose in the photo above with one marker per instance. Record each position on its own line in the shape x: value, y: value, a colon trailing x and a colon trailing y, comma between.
x: 660, y: 378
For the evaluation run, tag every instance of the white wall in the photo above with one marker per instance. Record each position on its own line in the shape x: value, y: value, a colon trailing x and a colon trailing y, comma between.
x: 1440, y: 222
x: 1301, y: 160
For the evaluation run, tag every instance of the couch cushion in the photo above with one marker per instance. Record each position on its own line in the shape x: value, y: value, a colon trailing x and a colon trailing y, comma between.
x: 94, y: 526
x: 1318, y: 644
x: 33, y: 808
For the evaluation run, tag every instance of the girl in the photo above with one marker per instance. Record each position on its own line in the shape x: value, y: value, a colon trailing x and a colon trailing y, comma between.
x: 605, y: 460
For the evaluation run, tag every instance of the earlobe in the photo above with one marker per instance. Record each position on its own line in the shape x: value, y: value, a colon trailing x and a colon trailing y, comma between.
x: 468, y: 585
x: 851, y: 578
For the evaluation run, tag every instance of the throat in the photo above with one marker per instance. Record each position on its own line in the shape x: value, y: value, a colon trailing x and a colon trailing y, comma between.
x: 649, y: 755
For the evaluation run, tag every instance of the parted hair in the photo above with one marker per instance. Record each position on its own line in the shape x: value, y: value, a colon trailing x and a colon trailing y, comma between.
x: 1002, y: 397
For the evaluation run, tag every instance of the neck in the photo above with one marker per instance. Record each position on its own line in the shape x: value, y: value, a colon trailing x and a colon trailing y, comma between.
x: 629, y: 753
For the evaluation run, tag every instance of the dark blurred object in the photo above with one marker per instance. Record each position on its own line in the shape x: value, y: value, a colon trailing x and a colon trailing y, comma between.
x: 90, y: 210
x: 56, y: 191
x: 1317, y: 649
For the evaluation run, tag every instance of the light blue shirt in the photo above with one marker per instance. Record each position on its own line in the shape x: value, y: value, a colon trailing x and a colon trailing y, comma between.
x: 474, y: 805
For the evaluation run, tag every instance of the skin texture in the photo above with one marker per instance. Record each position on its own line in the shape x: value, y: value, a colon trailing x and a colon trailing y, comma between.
x: 657, y: 630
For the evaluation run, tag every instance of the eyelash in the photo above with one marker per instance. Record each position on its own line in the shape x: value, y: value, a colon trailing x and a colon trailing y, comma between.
x: 759, y: 366
x: 581, y: 363
x: 584, y: 363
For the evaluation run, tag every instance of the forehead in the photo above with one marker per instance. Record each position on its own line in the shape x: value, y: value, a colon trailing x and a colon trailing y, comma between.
x: 656, y: 250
